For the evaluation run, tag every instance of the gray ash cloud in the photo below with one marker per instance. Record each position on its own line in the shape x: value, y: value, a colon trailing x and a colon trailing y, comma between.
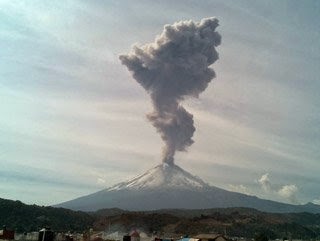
x: 175, y: 66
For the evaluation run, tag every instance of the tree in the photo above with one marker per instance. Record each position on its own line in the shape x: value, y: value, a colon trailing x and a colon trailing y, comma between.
x: 261, y: 237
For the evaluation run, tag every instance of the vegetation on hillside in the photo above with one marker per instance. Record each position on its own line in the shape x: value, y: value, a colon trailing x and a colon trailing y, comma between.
x: 236, y: 222
x: 26, y: 218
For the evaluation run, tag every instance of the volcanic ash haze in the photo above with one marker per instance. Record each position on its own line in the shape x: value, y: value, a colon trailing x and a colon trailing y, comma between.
x: 172, y: 68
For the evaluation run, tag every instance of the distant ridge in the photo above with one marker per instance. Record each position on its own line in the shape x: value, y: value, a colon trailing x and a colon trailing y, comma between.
x: 170, y: 187
x: 27, y: 218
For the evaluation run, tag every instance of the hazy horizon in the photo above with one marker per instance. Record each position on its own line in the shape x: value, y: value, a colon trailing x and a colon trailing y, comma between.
x: 73, y: 119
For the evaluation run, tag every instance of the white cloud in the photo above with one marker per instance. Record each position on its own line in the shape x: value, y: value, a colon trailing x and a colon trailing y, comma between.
x: 101, y: 181
x: 289, y: 192
x: 284, y: 193
x: 316, y: 201
x: 264, y: 181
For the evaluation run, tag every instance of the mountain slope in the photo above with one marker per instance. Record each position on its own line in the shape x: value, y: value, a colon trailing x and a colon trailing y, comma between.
x: 171, y: 187
x: 25, y: 218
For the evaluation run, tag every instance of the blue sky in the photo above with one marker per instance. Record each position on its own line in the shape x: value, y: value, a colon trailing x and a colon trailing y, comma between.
x: 73, y: 119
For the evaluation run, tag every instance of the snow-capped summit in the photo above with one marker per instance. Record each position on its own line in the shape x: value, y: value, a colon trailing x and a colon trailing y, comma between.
x: 163, y: 176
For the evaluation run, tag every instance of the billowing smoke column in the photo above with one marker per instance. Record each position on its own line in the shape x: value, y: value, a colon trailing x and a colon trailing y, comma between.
x: 175, y: 66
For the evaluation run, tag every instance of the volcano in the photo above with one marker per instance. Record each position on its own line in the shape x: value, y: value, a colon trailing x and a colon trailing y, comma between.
x: 170, y: 187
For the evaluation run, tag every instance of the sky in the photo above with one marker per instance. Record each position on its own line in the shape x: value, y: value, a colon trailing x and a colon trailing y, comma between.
x: 73, y: 120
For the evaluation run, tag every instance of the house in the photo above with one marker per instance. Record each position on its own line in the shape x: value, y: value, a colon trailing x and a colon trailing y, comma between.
x: 6, y: 234
x: 210, y: 237
x: 46, y: 234
x: 188, y: 239
x: 135, y: 236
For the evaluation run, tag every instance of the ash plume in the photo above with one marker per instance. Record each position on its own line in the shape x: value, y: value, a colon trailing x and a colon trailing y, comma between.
x: 173, y: 67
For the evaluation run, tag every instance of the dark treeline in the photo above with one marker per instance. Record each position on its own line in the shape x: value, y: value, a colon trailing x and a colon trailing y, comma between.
x: 26, y: 218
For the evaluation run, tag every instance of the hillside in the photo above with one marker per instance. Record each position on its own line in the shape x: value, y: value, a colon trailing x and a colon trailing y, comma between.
x: 22, y: 217
x: 236, y: 222
x: 239, y: 222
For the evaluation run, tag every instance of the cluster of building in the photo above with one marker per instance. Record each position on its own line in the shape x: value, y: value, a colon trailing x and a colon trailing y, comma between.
x: 200, y: 237
x: 47, y: 234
